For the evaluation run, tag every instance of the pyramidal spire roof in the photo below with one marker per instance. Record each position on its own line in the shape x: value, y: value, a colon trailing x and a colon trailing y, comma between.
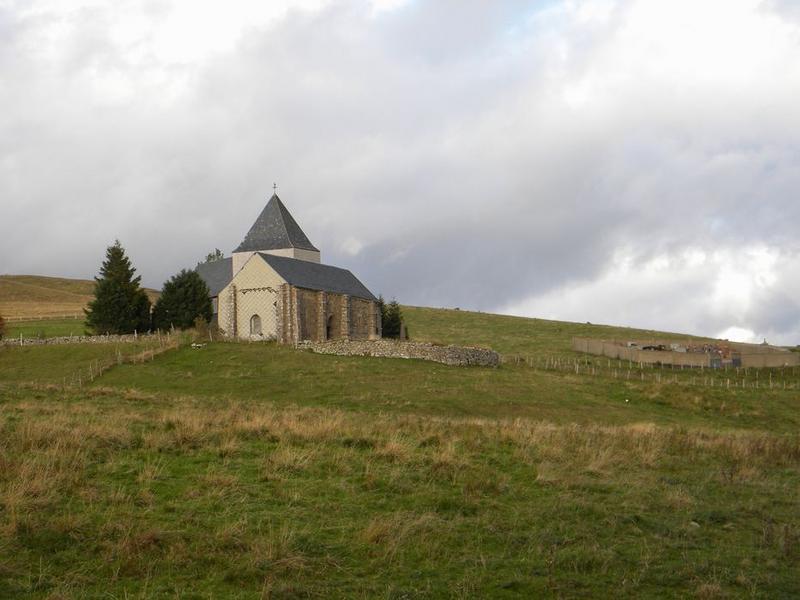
x: 274, y: 229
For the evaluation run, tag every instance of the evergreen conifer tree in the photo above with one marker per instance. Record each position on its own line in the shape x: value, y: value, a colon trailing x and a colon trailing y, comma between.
x: 213, y: 256
x: 119, y: 305
x: 381, y: 309
x: 391, y: 318
x: 184, y: 298
x: 2, y: 327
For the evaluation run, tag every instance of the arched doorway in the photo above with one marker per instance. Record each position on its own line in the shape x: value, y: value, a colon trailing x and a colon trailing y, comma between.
x: 255, y: 325
x: 329, y: 328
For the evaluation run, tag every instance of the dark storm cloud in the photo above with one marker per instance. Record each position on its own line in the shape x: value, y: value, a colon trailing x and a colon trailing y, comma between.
x: 452, y: 153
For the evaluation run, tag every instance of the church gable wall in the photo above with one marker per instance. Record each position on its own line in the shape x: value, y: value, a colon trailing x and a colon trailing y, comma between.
x: 253, y: 292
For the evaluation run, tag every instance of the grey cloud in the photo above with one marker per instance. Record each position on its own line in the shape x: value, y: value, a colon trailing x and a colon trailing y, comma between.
x: 776, y: 313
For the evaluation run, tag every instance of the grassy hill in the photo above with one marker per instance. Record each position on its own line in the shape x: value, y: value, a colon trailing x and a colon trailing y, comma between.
x: 33, y: 297
x: 28, y: 296
x: 254, y: 470
x: 514, y: 335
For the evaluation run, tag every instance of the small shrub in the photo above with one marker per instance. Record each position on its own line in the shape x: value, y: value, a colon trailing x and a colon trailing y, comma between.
x: 2, y: 327
x: 201, y: 328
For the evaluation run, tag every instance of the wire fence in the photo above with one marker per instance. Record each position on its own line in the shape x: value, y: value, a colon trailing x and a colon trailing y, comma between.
x: 155, y: 345
x: 727, y: 377
x: 43, y: 318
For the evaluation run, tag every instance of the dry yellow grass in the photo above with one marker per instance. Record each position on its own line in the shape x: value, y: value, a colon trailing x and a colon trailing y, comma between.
x: 36, y: 297
x: 70, y: 427
x: 288, y: 459
x: 28, y: 296
x: 47, y: 451
x: 391, y: 532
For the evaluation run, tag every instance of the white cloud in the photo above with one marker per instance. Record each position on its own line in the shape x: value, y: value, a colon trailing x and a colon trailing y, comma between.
x: 351, y: 246
x: 382, y: 6
x: 738, y: 334
x: 177, y: 31
x: 715, y: 293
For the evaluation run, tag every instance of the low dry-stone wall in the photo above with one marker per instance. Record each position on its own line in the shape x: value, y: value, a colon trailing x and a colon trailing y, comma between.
x: 448, y: 355
x: 75, y: 339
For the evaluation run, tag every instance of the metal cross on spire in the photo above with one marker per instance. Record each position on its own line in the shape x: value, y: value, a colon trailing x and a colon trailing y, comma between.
x: 274, y: 188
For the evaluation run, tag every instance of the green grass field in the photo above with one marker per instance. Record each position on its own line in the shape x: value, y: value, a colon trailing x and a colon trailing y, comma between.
x: 45, y: 328
x: 513, y: 335
x: 253, y: 470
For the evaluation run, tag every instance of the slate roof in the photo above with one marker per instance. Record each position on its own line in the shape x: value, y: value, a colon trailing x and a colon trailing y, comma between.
x: 302, y: 273
x: 216, y: 274
x: 316, y: 276
x: 275, y: 228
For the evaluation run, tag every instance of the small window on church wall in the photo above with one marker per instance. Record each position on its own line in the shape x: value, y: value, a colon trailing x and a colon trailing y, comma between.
x: 255, y: 325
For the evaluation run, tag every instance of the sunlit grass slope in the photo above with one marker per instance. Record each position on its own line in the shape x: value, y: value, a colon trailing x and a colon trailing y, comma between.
x: 514, y: 335
x: 35, y: 297
x: 285, y: 377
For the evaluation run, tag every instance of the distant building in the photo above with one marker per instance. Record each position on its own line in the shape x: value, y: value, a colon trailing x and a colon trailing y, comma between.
x: 711, y: 354
x: 275, y: 287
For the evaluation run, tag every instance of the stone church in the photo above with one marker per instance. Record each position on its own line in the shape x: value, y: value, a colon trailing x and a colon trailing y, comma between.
x: 274, y: 286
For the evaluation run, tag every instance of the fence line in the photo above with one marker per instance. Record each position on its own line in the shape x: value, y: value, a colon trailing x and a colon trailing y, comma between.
x: 729, y: 378
x: 98, y: 366
x: 42, y: 318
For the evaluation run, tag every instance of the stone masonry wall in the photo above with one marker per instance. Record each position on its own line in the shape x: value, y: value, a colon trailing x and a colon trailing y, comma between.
x: 333, y: 313
x: 362, y: 319
x: 308, y: 312
x: 448, y: 355
x: 312, y: 315
x: 78, y: 339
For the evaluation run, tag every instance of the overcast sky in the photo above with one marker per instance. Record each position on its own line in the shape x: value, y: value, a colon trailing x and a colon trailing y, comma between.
x: 632, y: 162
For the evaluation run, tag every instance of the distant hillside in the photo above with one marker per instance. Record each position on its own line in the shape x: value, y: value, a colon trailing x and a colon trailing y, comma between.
x: 34, y: 296
x: 30, y: 296
x: 514, y: 335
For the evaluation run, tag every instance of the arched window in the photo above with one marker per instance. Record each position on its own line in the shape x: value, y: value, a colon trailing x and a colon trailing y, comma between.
x: 255, y: 325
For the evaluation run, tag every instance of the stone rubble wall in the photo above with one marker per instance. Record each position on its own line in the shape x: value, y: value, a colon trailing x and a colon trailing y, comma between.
x: 448, y: 355
x: 79, y: 339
